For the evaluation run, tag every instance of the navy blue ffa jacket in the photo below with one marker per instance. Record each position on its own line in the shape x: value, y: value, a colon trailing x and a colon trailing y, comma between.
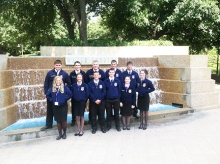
x: 128, y: 95
x: 50, y: 76
x: 96, y: 92
x: 59, y: 97
x: 118, y: 75
x: 133, y: 76
x: 89, y: 75
x: 73, y: 76
x: 144, y: 87
x: 80, y: 92
x: 113, y: 89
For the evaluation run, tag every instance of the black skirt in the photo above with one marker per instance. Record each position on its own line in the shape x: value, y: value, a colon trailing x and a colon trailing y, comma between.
x: 60, y: 112
x: 79, y: 108
x: 144, y: 102
x: 126, y: 109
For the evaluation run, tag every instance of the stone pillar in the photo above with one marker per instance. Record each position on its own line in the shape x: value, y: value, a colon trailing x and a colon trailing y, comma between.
x: 187, y: 80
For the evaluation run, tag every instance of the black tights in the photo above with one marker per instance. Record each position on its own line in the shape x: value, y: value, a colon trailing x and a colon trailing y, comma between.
x: 143, y: 118
x: 126, y: 121
x: 61, y: 125
x: 80, y: 123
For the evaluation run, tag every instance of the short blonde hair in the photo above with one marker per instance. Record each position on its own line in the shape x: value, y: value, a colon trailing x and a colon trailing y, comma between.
x: 54, y: 84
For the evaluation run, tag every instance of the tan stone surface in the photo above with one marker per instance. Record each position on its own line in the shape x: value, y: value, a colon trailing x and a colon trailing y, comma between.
x: 195, y: 74
x: 6, y: 97
x: 204, y: 86
x: 173, y: 86
x: 169, y: 98
x: 202, y: 99
x: 183, y: 60
x: 6, y: 79
x: 8, y: 116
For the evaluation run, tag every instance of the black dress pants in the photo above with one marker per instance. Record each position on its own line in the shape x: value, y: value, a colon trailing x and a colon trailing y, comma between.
x: 97, y: 109
x: 115, y: 103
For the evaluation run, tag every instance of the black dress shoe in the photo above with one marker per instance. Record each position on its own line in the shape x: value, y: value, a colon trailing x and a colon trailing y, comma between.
x: 45, y: 128
x: 76, y: 134
x: 124, y: 128
x: 93, y: 131
x: 144, y: 127
x: 64, y: 136
x: 103, y: 130
x: 118, y: 129
x: 140, y: 127
x: 128, y: 128
x: 81, y: 134
x: 59, y: 137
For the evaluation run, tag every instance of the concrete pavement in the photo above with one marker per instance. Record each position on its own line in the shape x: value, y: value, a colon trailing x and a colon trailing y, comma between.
x: 191, y: 140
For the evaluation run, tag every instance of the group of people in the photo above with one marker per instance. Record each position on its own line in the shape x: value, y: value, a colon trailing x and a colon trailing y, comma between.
x: 112, y: 92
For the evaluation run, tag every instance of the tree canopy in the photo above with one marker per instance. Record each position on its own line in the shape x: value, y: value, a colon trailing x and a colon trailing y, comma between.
x: 41, y: 22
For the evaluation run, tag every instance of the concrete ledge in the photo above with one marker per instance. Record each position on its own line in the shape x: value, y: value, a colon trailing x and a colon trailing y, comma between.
x: 35, y: 133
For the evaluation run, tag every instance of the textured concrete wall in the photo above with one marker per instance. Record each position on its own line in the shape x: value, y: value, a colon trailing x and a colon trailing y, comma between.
x: 126, y: 51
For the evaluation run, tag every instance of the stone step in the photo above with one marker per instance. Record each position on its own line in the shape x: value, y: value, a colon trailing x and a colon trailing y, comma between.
x: 186, y: 87
x: 8, y: 115
x: 35, y: 133
x: 185, y: 73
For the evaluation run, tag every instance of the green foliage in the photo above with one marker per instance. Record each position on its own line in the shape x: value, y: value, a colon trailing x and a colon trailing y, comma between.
x: 212, y: 59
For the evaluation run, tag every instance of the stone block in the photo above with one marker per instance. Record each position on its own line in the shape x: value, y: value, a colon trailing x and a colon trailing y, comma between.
x: 203, y: 86
x: 8, y: 116
x: 202, y: 99
x: 6, y: 79
x: 6, y: 97
x: 3, y: 62
x: 173, y: 86
x: 183, y: 60
x: 169, y: 98
x: 195, y: 74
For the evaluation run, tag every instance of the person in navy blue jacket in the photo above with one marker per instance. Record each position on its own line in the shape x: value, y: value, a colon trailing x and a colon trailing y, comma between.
x: 80, y: 96
x: 144, y: 87
x: 77, y: 69
x: 58, y: 95
x: 134, y: 79
x: 57, y: 71
x: 118, y: 73
x: 127, y: 102
x: 95, y: 67
x: 97, y: 91
x: 113, y: 94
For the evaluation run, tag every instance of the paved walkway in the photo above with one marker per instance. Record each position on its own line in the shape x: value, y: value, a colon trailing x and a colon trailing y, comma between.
x: 192, y: 140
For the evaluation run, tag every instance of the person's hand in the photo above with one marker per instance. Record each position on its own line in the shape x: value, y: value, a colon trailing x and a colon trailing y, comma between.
x: 132, y: 106
x: 98, y: 101
x: 121, y: 105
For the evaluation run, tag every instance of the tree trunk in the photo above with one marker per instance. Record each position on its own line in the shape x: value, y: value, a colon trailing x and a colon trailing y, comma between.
x: 83, y: 23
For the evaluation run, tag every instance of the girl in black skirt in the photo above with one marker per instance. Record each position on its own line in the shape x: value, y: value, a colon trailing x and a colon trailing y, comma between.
x: 58, y: 94
x: 144, y: 87
x: 80, y: 96
x: 127, y: 102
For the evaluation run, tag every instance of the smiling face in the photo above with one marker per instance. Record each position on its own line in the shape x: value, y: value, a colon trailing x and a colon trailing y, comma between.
x: 95, y: 65
x: 113, y: 65
x: 79, y: 78
x: 129, y: 67
x: 77, y: 66
x: 96, y: 76
x: 127, y: 80
x: 58, y: 81
x: 111, y: 73
x: 142, y: 75
x: 58, y: 66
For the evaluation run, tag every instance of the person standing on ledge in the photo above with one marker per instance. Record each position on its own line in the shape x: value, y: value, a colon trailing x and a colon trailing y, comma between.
x: 113, y: 94
x: 80, y: 96
x: 58, y: 95
x: 144, y: 87
x: 95, y: 68
x: 57, y: 71
x: 127, y: 102
x: 77, y: 69
x: 134, y: 79
x: 97, y: 91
